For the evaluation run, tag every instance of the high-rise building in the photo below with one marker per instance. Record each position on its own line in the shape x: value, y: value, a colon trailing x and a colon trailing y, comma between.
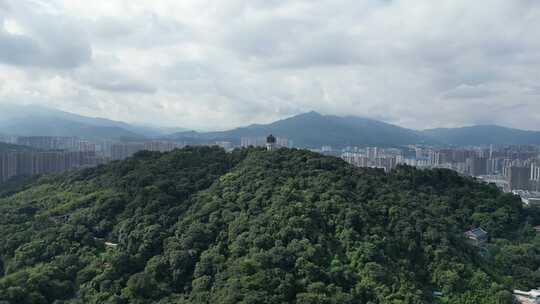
x: 434, y: 157
x: 253, y: 141
x: 123, y: 151
x: 477, y: 165
x: 49, y: 142
x: 518, y: 178
x: 535, y: 172
x: 494, y: 166
x: 160, y: 146
x: 38, y: 162
x: 260, y: 141
x: 86, y: 146
x: 284, y: 142
x: 419, y: 152
x: 372, y: 153
x: 8, y: 139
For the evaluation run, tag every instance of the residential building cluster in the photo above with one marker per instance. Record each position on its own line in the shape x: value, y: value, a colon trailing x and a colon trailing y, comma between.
x: 49, y: 142
x: 510, y: 167
x: 260, y: 141
x: 373, y: 157
x: 54, y: 154
x: 14, y: 163
x: 119, y: 151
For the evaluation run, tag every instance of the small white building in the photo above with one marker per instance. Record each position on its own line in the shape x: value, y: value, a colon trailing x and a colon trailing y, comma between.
x: 529, y: 198
x: 530, y: 297
x: 111, y: 245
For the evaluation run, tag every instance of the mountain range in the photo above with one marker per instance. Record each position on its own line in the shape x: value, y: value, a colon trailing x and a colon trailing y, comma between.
x: 311, y: 130
x: 26, y: 120
x: 483, y: 135
x: 314, y: 130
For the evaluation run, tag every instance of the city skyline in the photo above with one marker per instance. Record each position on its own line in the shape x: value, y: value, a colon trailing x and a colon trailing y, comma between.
x: 207, y: 65
x: 510, y: 167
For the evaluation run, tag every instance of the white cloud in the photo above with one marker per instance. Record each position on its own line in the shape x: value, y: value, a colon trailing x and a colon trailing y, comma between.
x: 218, y: 64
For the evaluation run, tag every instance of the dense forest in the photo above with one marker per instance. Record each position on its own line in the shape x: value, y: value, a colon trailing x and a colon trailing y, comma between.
x: 200, y: 225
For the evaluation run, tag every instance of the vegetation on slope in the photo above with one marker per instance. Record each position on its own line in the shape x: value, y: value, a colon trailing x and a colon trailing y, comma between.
x: 199, y: 225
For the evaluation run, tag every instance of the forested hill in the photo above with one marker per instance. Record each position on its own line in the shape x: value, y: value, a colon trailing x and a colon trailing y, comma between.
x: 199, y: 225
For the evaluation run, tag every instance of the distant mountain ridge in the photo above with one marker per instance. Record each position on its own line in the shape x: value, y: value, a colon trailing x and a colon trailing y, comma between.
x: 484, y: 135
x: 313, y: 130
x: 40, y: 121
x: 310, y: 130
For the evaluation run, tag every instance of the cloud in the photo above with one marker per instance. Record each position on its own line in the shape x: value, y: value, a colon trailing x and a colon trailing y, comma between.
x: 220, y: 64
x: 129, y: 86
x: 29, y: 38
x: 24, y: 51
x: 465, y: 91
x: 113, y: 81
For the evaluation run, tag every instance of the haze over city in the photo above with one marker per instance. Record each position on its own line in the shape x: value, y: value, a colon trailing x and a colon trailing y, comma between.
x: 214, y: 65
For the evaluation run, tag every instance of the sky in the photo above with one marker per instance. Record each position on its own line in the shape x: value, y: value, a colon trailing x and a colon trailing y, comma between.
x: 213, y: 65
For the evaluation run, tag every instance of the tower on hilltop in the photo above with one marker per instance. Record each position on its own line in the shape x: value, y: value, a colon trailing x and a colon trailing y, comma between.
x: 270, y: 142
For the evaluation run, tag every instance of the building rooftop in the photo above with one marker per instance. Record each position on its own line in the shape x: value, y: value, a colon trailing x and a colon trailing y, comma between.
x: 527, y: 194
x: 534, y: 293
x: 477, y: 233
